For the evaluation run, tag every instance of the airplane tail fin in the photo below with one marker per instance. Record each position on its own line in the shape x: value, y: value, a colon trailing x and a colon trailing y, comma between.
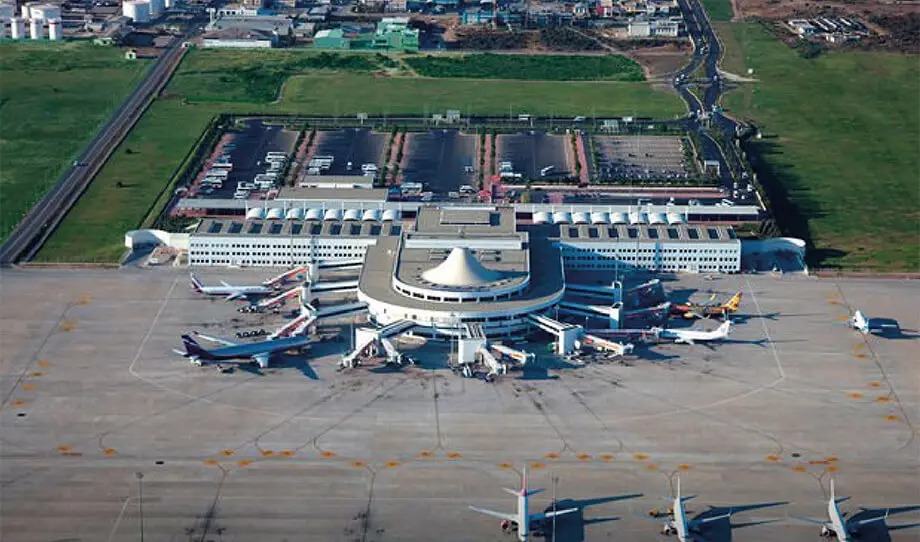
x: 725, y: 328
x: 733, y: 303
x: 192, y: 348
x: 196, y: 284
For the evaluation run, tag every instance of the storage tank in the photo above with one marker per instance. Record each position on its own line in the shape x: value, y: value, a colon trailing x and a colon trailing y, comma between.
x: 44, y: 12
x: 36, y: 30
x: 136, y: 10
x: 17, y: 28
x: 7, y: 11
x: 371, y: 215
x: 157, y: 7
x: 600, y: 217
x: 353, y: 214
x: 333, y: 214
x: 55, y: 30
x: 275, y: 213
x: 256, y: 213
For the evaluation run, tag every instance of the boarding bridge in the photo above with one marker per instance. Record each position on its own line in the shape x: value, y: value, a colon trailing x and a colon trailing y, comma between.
x: 315, y: 268
x: 310, y: 288
x: 495, y: 367
x: 645, y: 293
x: 288, y: 275
x: 519, y: 356
x: 366, y: 340
x: 640, y: 335
x: 606, y: 345
x: 472, y: 339
x: 566, y: 334
x: 394, y: 356
x: 609, y: 312
x: 279, y: 299
x: 339, y: 311
x: 660, y: 310
x: 297, y: 326
x: 612, y: 294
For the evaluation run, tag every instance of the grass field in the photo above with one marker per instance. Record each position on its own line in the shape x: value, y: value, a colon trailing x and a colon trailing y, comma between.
x: 719, y: 10
x: 842, y: 134
x: 529, y: 67
x: 53, y: 98
x: 94, y: 230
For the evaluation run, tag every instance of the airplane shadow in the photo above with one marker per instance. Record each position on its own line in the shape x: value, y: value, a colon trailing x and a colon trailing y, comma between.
x: 571, y: 527
x: 721, y: 530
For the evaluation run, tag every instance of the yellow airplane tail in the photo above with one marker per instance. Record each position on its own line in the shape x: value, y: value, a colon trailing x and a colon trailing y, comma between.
x: 733, y: 303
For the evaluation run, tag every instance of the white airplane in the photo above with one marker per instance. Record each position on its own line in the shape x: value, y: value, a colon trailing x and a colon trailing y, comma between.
x: 229, y: 292
x: 680, y: 525
x: 836, y: 526
x: 877, y: 326
x: 692, y: 336
x: 523, y: 519
x: 260, y: 352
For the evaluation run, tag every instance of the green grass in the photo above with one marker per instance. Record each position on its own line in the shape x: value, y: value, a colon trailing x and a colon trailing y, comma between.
x: 53, y: 98
x: 529, y: 67
x: 842, y: 134
x: 94, y: 230
x: 719, y: 10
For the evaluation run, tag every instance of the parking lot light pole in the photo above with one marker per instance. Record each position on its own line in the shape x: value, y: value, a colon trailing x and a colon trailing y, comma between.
x: 140, y: 500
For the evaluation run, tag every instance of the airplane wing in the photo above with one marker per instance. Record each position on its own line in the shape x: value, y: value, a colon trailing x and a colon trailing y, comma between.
x: 218, y: 340
x: 225, y: 284
x: 499, y: 515
x: 551, y: 514
x: 232, y: 297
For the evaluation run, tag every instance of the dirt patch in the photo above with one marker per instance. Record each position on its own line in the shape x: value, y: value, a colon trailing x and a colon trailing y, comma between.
x: 773, y: 9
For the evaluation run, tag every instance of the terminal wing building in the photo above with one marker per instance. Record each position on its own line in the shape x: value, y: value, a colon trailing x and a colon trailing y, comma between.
x: 463, y: 266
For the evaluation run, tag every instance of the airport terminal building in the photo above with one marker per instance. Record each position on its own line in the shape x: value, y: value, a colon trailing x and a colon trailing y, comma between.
x: 296, y: 240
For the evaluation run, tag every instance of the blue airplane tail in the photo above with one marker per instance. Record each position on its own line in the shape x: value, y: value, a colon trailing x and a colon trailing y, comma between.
x: 192, y: 348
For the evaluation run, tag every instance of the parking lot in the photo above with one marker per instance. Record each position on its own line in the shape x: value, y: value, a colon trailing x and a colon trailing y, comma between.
x: 531, y: 152
x: 444, y: 160
x: 356, y: 145
x: 246, y: 150
x: 640, y: 158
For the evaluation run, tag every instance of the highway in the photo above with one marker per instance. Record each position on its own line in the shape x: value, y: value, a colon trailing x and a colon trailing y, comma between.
x: 38, y: 224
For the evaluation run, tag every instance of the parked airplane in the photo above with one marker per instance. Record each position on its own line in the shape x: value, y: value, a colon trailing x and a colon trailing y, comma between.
x: 692, y: 336
x: 523, y: 520
x: 836, y: 525
x: 228, y: 291
x: 695, y: 310
x: 682, y: 526
x: 231, y: 292
x: 876, y: 326
x: 260, y: 352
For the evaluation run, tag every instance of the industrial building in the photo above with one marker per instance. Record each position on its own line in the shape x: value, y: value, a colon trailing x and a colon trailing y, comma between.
x: 390, y: 34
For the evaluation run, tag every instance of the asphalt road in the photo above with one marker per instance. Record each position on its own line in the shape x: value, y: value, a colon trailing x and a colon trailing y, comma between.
x: 47, y: 214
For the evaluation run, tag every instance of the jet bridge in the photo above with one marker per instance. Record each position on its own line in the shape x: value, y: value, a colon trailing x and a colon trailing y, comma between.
x: 495, y: 367
x: 278, y: 299
x: 611, y: 294
x: 566, y: 334
x: 609, y: 312
x: 518, y: 356
x: 660, y: 310
x: 648, y: 292
x: 314, y: 269
x: 310, y: 288
x: 599, y: 343
x: 367, y: 339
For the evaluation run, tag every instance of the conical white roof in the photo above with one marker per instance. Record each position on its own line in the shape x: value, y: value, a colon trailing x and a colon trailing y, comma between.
x: 461, y: 268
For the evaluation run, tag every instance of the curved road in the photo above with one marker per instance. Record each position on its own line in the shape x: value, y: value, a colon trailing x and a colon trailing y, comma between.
x: 706, y: 54
x: 35, y: 227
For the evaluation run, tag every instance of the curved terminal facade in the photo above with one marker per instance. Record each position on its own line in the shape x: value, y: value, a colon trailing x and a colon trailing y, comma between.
x: 461, y: 269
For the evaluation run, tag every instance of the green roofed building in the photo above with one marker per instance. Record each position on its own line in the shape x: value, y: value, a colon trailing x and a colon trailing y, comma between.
x: 391, y: 34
